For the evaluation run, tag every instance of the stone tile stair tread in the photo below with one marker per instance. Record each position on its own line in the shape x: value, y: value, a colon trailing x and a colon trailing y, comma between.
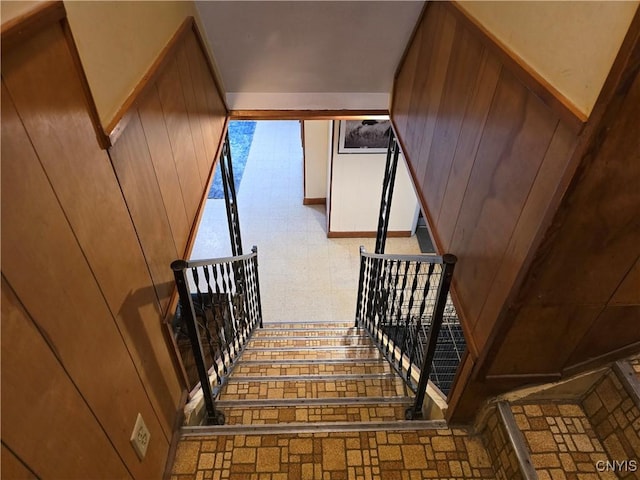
x: 307, y: 332
x: 363, y: 412
x: 310, y: 342
x: 264, y: 369
x: 559, y: 436
x: 306, y: 325
x: 340, y: 401
x: 302, y: 354
x: 430, y: 453
x: 309, y: 389
x: 311, y: 378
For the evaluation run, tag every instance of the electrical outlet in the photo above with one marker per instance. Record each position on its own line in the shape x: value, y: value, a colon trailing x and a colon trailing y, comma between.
x: 140, y: 437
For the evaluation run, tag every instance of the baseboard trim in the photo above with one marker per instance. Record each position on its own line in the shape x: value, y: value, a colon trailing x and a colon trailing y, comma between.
x: 394, y: 234
x: 314, y: 201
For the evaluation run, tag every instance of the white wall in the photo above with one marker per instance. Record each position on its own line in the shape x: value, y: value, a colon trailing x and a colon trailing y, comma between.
x: 572, y: 45
x: 316, y: 157
x: 356, y: 188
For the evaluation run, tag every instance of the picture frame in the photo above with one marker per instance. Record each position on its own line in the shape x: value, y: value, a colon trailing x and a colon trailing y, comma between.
x: 364, y: 136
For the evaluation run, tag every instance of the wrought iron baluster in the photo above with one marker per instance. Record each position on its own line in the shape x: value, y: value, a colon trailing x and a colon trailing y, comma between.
x: 399, y: 332
x: 387, y: 192
x: 219, y: 348
x: 449, y: 262
x: 226, y: 173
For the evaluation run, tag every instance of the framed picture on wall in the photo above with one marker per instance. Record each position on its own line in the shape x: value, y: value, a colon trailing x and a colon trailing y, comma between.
x: 364, y: 136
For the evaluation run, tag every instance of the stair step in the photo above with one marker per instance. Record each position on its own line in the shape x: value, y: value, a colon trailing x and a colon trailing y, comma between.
x: 337, y: 353
x: 307, y: 325
x: 362, y: 451
x: 559, y: 436
x: 319, y: 427
x: 301, y: 368
x: 262, y: 415
x: 268, y: 389
x: 311, y: 378
x: 302, y: 342
x: 306, y: 332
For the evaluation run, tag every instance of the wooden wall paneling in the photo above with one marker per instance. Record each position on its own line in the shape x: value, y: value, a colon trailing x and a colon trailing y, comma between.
x: 13, y: 468
x: 177, y: 120
x: 615, y: 328
x: 193, y: 109
x: 136, y: 175
x: 430, y: 102
x: 402, y: 88
x: 515, y: 139
x: 537, y: 212
x: 436, y: 46
x: 47, y: 269
x: 606, y: 189
x: 628, y: 293
x: 217, y: 110
x: 51, y: 103
x: 40, y: 401
x: 474, y: 120
x: 157, y: 137
x: 466, y: 54
x: 199, y: 71
x: 541, y: 339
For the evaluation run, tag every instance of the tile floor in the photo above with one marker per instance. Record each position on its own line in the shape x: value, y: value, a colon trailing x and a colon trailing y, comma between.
x: 303, y: 274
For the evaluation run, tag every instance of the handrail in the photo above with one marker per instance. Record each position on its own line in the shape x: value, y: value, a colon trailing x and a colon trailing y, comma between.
x: 403, y: 301
x: 220, y: 304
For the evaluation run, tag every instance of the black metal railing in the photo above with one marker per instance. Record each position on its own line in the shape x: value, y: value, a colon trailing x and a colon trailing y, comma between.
x: 404, y: 303
x: 219, y: 309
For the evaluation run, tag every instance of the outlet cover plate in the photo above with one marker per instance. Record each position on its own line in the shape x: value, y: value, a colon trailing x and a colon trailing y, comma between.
x: 140, y: 437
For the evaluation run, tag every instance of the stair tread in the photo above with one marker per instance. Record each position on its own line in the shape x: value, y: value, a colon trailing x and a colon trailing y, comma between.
x: 267, y: 389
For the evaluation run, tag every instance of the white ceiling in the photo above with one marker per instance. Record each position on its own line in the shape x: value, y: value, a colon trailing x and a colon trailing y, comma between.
x: 308, y: 54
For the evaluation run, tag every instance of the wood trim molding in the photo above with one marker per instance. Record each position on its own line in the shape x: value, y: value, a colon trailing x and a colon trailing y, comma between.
x: 303, y: 114
x: 369, y: 234
x: 555, y: 100
x: 314, y: 201
x: 25, y: 25
x: 593, y: 363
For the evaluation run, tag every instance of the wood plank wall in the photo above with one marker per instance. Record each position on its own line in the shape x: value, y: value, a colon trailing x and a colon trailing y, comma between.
x: 87, y: 239
x: 491, y: 152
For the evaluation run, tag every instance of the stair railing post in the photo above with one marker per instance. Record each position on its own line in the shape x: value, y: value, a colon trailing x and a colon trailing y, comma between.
x: 188, y: 314
x: 448, y: 264
x: 254, y: 250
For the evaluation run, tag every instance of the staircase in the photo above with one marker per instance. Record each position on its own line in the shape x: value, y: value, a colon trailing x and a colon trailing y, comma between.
x: 317, y: 401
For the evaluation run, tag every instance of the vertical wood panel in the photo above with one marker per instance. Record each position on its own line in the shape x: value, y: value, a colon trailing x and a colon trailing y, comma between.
x: 12, y: 468
x: 188, y: 88
x: 201, y: 85
x: 465, y: 60
x: 157, y: 137
x: 48, y: 271
x: 177, y: 121
x: 45, y: 86
x: 436, y: 47
x: 133, y: 166
x: 473, y: 125
x: 529, y: 228
x: 628, y: 293
x: 47, y: 406
x: 404, y: 82
x: 515, y: 139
